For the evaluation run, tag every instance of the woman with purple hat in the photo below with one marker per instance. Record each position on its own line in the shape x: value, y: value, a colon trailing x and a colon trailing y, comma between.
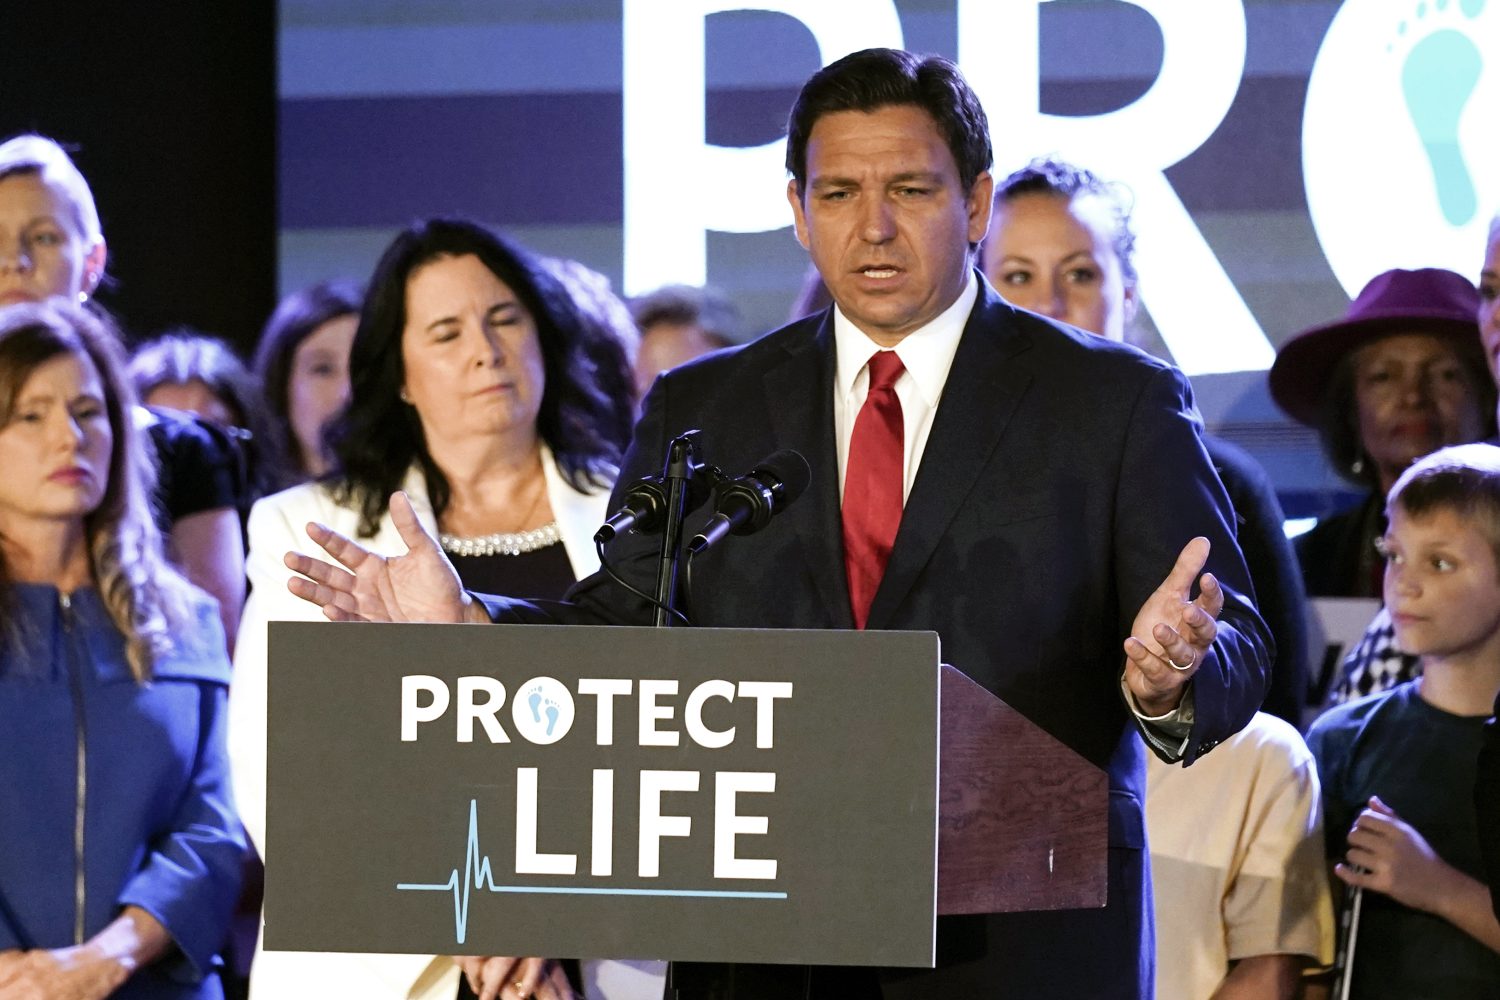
x: 1375, y: 663
x: 1401, y: 375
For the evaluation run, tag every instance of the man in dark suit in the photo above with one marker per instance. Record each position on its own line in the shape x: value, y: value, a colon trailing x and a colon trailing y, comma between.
x: 1020, y: 487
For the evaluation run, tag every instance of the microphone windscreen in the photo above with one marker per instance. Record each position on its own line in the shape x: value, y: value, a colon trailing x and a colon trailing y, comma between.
x: 791, y: 469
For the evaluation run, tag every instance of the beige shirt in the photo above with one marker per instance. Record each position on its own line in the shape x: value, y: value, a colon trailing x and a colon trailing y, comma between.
x: 1236, y: 859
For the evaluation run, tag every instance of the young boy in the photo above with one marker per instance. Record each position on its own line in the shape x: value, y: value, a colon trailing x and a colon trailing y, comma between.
x: 1398, y: 768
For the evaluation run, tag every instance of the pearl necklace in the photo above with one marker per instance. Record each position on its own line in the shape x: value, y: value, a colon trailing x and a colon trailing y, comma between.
x: 504, y: 543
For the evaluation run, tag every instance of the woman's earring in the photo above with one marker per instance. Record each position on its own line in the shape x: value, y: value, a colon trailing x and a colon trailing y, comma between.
x: 1358, y: 466
x: 404, y: 397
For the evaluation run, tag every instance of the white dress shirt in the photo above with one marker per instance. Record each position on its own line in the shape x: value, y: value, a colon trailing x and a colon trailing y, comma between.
x: 927, y: 352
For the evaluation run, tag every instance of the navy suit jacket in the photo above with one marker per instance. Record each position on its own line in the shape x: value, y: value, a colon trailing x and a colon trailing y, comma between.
x: 1062, y: 476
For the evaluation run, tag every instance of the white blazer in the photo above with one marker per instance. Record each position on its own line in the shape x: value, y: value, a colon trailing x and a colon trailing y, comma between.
x: 278, y: 523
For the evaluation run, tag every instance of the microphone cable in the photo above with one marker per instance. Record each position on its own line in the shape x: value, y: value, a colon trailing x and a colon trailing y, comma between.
x: 650, y: 599
x: 687, y: 582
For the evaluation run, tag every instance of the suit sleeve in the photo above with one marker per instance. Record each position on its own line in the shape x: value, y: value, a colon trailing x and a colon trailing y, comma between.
x: 11, y: 937
x: 1168, y: 494
x: 189, y: 879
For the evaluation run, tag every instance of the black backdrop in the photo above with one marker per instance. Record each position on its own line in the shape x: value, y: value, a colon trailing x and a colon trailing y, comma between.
x: 169, y: 108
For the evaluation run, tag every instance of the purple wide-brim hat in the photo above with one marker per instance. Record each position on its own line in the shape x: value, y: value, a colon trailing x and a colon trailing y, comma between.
x: 1430, y: 300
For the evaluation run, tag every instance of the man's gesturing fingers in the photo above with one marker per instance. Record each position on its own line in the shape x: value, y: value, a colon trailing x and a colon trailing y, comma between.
x: 408, y: 525
x: 347, y: 551
x: 1190, y: 563
x: 329, y: 587
x: 1210, y: 595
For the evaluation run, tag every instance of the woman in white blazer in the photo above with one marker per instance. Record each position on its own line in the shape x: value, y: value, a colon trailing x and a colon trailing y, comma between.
x: 480, y: 389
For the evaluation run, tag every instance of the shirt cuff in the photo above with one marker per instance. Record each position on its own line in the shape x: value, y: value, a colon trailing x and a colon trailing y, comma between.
x: 1168, y: 734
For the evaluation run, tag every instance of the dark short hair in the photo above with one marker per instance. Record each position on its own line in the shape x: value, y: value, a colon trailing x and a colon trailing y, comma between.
x: 1338, y: 425
x: 1462, y: 479
x: 378, y: 437
x: 185, y: 355
x: 295, y: 319
x: 878, y: 78
x: 703, y: 306
x: 1054, y: 176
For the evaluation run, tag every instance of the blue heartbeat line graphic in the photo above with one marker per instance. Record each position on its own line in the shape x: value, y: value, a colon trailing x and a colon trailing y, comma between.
x: 477, y: 874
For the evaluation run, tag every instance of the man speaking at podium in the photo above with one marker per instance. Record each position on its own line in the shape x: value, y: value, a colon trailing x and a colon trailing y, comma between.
x: 1020, y: 487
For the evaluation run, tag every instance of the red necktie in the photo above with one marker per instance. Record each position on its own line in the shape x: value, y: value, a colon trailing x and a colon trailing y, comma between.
x: 872, y: 484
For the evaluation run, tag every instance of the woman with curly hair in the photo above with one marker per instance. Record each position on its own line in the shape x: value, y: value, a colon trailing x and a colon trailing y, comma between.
x: 475, y: 391
x: 120, y: 852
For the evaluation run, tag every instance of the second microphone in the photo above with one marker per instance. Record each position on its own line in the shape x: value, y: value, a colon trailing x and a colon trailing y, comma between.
x: 745, y: 505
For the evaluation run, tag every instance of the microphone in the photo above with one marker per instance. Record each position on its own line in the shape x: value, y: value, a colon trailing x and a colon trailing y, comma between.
x: 747, y: 504
x: 644, y: 505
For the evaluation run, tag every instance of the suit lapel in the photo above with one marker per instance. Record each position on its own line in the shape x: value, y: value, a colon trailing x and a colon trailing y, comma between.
x: 799, y: 398
x: 987, y: 381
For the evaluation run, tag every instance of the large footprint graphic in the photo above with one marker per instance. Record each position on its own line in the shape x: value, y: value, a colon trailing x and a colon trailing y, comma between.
x: 1437, y: 79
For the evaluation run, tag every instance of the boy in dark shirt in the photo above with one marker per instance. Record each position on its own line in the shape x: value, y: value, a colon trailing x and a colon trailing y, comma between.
x: 1398, y: 768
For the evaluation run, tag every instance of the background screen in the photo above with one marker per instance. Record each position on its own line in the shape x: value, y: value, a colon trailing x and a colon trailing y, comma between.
x: 1279, y: 153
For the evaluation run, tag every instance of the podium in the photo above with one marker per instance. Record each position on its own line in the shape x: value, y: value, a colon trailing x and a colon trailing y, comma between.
x: 708, y: 795
x: 1030, y: 833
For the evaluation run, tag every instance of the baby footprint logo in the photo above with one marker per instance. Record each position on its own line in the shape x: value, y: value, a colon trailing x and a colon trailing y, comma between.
x: 1438, y: 77
x: 542, y: 706
x: 1400, y: 154
x: 543, y: 713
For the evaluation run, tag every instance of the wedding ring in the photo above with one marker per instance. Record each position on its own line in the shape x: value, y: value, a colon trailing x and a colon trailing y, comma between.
x: 1181, y: 666
x: 520, y: 989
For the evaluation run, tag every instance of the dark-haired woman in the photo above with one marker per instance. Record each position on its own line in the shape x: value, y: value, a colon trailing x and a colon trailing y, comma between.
x: 302, y: 362
x: 119, y: 849
x: 475, y: 389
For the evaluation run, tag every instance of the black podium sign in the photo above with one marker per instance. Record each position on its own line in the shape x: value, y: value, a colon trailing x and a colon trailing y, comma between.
x: 692, y: 794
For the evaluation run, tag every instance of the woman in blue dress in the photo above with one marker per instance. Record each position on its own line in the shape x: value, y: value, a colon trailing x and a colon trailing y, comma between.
x: 120, y: 852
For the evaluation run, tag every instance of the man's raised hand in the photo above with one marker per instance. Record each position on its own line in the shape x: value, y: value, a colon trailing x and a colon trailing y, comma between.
x: 1172, y: 632
x: 419, y: 586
